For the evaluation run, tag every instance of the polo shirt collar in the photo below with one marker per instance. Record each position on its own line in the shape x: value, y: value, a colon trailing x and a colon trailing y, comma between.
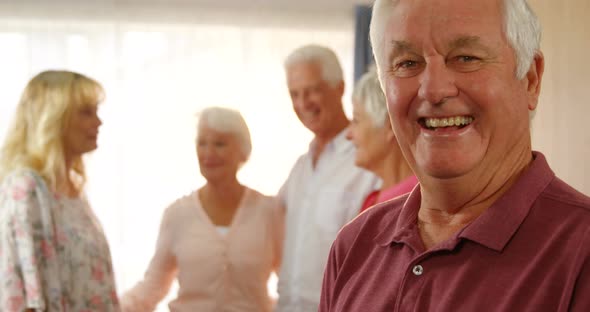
x: 400, y: 229
x: 495, y: 227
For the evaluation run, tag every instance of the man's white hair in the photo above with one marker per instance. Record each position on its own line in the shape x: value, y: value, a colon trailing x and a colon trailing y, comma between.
x: 320, y: 55
x: 521, y: 28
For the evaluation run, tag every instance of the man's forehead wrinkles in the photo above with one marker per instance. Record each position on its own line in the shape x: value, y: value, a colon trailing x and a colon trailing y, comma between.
x: 460, y: 41
x: 400, y: 46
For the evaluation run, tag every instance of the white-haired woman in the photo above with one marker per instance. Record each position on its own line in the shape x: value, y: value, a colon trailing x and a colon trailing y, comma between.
x: 377, y: 149
x: 223, y: 240
x: 53, y: 253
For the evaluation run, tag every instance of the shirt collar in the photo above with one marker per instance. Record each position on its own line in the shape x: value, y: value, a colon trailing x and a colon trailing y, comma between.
x: 338, y: 144
x: 496, y: 226
x: 404, y: 224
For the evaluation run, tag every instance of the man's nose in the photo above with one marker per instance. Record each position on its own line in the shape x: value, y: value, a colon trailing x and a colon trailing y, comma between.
x: 437, y: 82
x: 303, y: 101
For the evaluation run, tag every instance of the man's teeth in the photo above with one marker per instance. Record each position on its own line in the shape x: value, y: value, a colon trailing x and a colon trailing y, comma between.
x: 448, y: 122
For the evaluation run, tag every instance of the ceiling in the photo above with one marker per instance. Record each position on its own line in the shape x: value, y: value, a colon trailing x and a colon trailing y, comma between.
x: 300, y: 5
x: 283, y: 12
x: 343, y: 5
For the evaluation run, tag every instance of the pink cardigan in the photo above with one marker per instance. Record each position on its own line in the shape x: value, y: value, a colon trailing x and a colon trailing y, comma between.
x: 215, y: 272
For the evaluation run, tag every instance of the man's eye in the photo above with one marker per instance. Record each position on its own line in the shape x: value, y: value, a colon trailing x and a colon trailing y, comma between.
x: 467, y: 58
x: 406, y: 68
x: 407, y: 64
x: 465, y: 63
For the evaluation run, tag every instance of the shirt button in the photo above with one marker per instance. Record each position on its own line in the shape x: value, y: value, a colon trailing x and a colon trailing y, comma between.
x: 418, y: 270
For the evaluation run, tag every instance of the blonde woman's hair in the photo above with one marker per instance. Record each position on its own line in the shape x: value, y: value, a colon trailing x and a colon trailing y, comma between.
x: 35, y: 139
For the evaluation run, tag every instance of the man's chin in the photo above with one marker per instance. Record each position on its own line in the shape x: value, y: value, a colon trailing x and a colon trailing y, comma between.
x: 447, y: 171
x: 316, y: 126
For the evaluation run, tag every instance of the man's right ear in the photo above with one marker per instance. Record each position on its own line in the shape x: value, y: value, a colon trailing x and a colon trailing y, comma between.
x: 534, y: 77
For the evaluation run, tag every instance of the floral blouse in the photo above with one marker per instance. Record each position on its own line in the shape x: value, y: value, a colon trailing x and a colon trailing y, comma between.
x: 53, y: 253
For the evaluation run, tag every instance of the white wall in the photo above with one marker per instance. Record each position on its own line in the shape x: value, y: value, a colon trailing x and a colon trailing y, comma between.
x: 560, y: 128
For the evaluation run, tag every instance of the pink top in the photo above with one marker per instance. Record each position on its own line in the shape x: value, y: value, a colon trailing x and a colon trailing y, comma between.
x: 216, y: 272
x: 401, y: 188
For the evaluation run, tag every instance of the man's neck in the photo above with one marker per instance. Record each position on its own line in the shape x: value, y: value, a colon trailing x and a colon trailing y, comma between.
x: 447, y: 205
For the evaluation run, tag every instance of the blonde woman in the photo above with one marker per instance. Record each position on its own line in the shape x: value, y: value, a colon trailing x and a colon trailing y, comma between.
x: 53, y: 253
x: 221, y: 241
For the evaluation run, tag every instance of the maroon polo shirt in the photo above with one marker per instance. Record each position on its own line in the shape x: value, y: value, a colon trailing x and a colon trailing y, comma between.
x: 529, y: 251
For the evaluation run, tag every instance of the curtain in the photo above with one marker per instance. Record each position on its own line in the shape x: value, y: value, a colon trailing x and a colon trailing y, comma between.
x: 363, y: 54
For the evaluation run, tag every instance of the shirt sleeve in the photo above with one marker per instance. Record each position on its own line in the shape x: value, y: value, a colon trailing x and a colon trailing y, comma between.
x: 159, y: 276
x: 25, y: 249
x: 278, y: 231
x: 282, y: 194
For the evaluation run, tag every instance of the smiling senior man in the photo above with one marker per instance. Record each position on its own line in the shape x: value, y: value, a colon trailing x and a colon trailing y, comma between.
x: 491, y: 228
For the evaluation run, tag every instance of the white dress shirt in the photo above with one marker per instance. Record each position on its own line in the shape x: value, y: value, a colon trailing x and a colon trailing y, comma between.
x: 318, y: 202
